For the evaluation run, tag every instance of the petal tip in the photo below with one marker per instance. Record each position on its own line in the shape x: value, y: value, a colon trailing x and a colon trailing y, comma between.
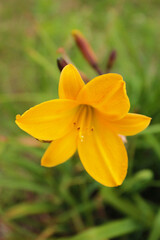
x: 148, y: 121
x: 18, y: 116
x: 115, y: 183
x: 69, y: 66
x: 44, y: 163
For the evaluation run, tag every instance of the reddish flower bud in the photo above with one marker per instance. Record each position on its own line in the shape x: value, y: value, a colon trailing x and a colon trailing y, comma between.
x: 61, y: 63
x: 111, y: 60
x: 86, y: 49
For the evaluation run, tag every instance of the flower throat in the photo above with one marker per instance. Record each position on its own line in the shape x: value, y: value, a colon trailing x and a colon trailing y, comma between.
x: 83, y: 122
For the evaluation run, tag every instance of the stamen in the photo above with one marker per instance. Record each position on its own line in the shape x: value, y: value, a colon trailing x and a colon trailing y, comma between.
x: 83, y: 121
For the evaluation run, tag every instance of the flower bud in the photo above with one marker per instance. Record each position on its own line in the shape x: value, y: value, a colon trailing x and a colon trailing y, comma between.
x: 86, y: 49
x: 61, y: 63
x: 111, y: 60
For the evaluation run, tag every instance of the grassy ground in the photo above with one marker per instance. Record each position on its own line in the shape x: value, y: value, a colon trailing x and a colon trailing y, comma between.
x: 64, y: 202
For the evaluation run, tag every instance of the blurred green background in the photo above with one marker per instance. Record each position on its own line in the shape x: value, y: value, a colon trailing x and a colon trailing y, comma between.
x: 64, y: 202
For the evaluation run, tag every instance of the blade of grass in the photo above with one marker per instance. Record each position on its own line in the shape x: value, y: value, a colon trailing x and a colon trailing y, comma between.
x: 145, y: 208
x: 42, y: 61
x: 25, y: 209
x: 46, y: 233
x: 80, y: 209
x: 122, y: 204
x: 110, y: 230
x: 137, y: 182
x: 150, y: 130
x: 155, y: 232
x: 154, y: 143
x: 23, y: 185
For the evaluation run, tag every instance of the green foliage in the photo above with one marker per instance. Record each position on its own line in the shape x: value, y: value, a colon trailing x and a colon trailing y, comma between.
x: 64, y: 202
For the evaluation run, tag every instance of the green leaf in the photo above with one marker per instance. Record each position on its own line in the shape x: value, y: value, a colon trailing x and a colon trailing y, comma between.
x: 155, y: 232
x: 150, y: 130
x: 138, y: 182
x: 25, y: 209
x: 42, y: 61
x: 23, y: 185
x: 110, y: 230
x: 122, y: 204
x: 154, y: 143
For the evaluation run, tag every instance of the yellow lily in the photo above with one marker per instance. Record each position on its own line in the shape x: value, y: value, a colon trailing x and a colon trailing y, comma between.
x: 87, y: 118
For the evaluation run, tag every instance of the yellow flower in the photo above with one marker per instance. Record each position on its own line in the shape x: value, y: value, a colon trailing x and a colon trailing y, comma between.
x: 87, y: 118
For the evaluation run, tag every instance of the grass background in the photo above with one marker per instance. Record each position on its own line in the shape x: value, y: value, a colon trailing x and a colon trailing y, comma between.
x: 64, y: 202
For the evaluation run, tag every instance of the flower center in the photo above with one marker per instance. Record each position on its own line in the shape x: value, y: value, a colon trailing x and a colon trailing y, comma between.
x: 83, y: 121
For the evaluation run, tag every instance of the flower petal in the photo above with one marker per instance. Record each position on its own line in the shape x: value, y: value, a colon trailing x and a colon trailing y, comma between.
x: 131, y: 124
x: 49, y: 120
x: 107, y: 93
x: 104, y: 156
x: 60, y: 150
x: 70, y: 82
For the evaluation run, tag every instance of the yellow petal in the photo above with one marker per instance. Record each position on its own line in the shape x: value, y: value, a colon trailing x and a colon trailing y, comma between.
x: 49, y: 120
x: 131, y: 124
x: 107, y: 93
x: 70, y: 82
x: 60, y: 150
x: 104, y: 156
